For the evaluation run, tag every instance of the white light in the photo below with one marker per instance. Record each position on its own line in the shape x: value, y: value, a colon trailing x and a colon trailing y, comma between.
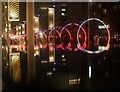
x: 53, y: 69
x: 23, y: 32
x: 63, y: 9
x: 54, y: 6
x: 41, y: 33
x: 6, y: 25
x: 63, y: 56
x: 2, y: 47
x: 13, y: 37
x: 7, y: 64
x: 105, y: 11
x: 103, y: 27
x: 89, y: 71
x: 36, y: 19
x: 5, y: 6
x: 101, y: 48
x: 90, y: 0
x: 40, y: 45
x: 34, y: 54
x: 9, y: 25
x: 44, y: 61
x: 78, y: 79
x: 5, y: 29
x: 64, y: 59
x: 49, y: 73
x: 63, y: 14
x: 12, y: 15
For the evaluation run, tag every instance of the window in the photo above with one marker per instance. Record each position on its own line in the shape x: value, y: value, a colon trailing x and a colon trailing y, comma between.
x: 63, y: 14
x: 62, y: 9
x: 104, y: 11
x: 63, y: 5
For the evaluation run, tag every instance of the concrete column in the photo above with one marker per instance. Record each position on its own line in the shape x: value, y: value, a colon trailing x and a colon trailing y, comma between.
x: 30, y: 41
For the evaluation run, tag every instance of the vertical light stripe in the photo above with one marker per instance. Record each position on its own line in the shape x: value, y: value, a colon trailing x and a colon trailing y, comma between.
x: 90, y: 72
x: 0, y: 46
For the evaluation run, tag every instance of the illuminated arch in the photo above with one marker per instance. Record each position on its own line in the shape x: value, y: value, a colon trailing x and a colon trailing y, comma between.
x: 89, y: 51
x: 69, y: 44
x: 40, y: 36
x: 54, y: 29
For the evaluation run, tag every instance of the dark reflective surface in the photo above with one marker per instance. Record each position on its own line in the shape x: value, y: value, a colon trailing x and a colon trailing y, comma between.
x: 73, y: 73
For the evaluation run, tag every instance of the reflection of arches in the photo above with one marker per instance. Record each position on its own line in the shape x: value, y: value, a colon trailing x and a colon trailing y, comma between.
x: 52, y: 38
x: 66, y: 39
x: 70, y: 37
x: 63, y: 39
x: 85, y: 39
x: 41, y: 39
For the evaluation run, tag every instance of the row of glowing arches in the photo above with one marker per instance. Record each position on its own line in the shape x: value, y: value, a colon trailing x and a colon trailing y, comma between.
x: 49, y: 42
x: 43, y: 36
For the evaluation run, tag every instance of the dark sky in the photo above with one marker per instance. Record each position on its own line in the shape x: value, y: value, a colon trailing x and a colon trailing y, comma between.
x: 79, y: 12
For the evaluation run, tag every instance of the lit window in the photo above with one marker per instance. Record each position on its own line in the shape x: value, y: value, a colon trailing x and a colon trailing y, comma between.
x: 62, y: 9
x: 74, y: 81
x: 104, y: 11
x: 99, y: 5
x: 44, y: 61
x: 54, y: 6
x: 5, y: 29
x: 49, y: 73
x: 6, y: 25
x: 63, y: 4
x: 63, y: 56
x: 89, y: 71
x: 63, y: 14
x: 5, y: 6
x: 43, y: 8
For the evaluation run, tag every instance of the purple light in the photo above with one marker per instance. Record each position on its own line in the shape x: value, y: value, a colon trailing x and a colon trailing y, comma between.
x: 54, y: 63
x: 54, y: 6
